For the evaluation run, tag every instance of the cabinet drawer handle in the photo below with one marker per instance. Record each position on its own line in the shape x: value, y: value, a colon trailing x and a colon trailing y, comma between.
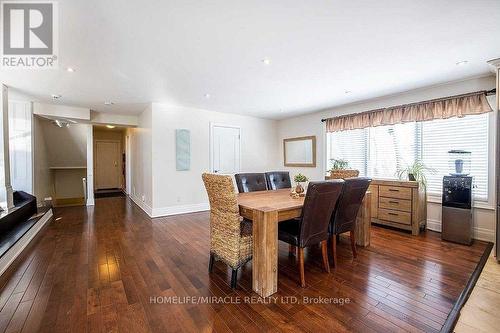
x: 394, y: 214
x: 394, y: 202
x: 393, y: 190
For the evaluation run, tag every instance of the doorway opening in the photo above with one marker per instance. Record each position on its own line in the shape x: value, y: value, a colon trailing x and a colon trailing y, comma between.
x: 109, y: 161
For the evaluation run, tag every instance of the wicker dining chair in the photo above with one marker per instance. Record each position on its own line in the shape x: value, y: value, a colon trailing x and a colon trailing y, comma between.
x: 230, y: 234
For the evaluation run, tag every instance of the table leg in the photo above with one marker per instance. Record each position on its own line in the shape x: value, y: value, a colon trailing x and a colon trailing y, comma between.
x: 363, y: 222
x: 265, y: 252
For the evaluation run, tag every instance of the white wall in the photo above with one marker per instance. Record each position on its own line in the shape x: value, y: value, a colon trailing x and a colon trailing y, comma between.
x: 311, y: 124
x: 67, y: 145
x: 141, y: 161
x: 59, y: 147
x: 113, y: 119
x: 61, y: 111
x: 183, y: 191
x: 42, y: 181
x: 167, y: 191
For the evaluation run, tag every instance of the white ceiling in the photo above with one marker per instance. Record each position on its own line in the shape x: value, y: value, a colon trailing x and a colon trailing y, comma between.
x: 176, y: 51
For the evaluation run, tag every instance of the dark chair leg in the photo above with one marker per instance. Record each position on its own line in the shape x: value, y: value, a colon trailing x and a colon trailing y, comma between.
x: 324, y: 254
x: 292, y: 250
x: 334, y: 250
x: 353, y: 243
x: 301, y: 267
x: 234, y: 276
x: 211, y: 263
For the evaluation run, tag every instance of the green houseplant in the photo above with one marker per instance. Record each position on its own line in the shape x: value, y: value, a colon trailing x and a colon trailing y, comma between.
x: 299, y: 178
x: 340, y: 169
x: 415, y: 172
x: 339, y: 164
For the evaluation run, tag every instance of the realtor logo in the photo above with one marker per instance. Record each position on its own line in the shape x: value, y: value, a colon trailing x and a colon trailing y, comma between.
x: 29, y: 34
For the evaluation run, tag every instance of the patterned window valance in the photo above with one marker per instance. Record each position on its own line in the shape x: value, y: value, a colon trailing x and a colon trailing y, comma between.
x: 442, y: 108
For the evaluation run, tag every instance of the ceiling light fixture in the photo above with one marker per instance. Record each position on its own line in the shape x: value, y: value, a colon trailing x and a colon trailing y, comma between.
x: 347, y: 92
x: 60, y: 123
x: 70, y: 69
x: 207, y: 95
x: 461, y: 63
x: 266, y: 61
x: 108, y: 103
x: 56, y: 97
x: 110, y: 126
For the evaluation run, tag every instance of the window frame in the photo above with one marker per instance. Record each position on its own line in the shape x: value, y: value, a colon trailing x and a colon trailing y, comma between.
x: 485, y: 203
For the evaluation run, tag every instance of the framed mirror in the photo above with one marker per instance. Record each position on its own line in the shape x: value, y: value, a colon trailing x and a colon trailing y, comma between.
x: 300, y: 152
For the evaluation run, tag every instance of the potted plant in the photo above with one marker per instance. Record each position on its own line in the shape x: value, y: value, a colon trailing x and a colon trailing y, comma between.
x: 415, y: 172
x: 340, y: 169
x: 300, y: 178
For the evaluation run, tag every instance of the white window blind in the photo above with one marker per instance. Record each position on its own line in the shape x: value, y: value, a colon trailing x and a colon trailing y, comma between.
x: 350, y: 146
x: 391, y: 148
x: 379, y: 151
x: 468, y: 133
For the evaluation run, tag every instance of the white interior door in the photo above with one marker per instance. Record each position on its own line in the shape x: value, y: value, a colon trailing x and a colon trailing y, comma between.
x: 107, y: 165
x: 225, y: 149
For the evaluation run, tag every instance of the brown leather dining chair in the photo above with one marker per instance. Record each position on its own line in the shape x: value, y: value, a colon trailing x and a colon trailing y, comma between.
x: 250, y: 182
x: 345, y: 213
x: 278, y: 179
x: 311, y: 228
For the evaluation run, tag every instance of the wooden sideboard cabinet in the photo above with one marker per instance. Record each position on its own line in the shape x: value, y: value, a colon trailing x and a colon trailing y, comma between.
x: 399, y: 204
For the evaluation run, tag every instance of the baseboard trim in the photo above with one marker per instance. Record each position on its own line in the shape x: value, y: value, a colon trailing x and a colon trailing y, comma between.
x: 478, y: 233
x: 142, y: 205
x: 181, y: 209
x: 10, y: 256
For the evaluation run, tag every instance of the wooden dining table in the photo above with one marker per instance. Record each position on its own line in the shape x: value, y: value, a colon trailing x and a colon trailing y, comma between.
x: 266, y: 209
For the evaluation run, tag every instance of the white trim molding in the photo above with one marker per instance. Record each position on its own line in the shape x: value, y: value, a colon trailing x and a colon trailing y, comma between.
x: 142, y: 205
x: 14, y: 252
x: 171, y: 210
x: 478, y: 233
x: 181, y: 209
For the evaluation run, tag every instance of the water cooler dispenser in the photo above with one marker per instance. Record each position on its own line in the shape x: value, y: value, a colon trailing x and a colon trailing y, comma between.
x: 457, y: 220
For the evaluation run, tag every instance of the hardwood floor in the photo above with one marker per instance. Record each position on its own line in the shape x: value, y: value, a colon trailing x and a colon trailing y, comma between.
x: 480, y: 313
x: 111, y: 268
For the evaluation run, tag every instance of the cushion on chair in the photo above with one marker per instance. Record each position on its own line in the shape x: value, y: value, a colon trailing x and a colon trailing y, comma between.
x: 250, y: 182
x: 288, y: 231
x: 278, y: 179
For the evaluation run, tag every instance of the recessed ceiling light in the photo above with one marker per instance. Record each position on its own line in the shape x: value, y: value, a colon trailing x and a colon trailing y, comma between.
x: 207, y: 95
x: 108, y: 103
x: 110, y: 126
x: 56, y: 97
x: 266, y: 61
x: 461, y: 63
x: 70, y: 69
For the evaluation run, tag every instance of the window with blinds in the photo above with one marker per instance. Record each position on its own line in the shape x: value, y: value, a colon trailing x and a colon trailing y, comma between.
x: 350, y: 146
x: 391, y: 148
x: 380, y: 151
x: 468, y: 133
